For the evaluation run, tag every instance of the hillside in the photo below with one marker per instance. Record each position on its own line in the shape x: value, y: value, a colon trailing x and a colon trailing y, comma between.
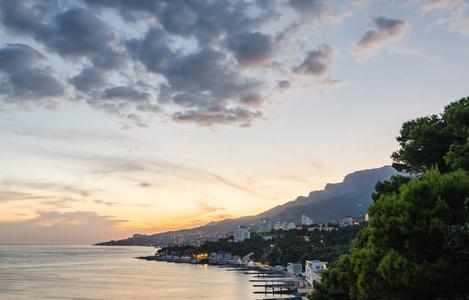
x: 349, y: 197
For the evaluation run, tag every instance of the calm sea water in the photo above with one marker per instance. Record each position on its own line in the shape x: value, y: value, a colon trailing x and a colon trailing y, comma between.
x: 94, y: 272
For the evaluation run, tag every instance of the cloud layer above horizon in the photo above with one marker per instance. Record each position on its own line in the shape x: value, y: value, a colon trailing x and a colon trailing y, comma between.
x: 202, y: 62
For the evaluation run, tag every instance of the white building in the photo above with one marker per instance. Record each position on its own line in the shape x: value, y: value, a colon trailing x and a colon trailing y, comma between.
x: 348, y: 221
x: 314, y: 270
x: 294, y: 269
x: 306, y: 220
x: 322, y: 228
x: 241, y: 234
x: 247, y: 258
x: 291, y: 226
x: 265, y: 225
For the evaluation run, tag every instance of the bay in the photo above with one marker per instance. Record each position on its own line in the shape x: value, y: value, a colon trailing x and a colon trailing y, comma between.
x: 100, y: 272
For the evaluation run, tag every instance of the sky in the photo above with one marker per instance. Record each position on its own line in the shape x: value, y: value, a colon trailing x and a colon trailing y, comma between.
x: 120, y: 117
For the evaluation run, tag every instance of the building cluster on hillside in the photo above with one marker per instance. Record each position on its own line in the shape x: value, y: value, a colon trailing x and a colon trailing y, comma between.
x: 242, y: 233
x: 196, y: 239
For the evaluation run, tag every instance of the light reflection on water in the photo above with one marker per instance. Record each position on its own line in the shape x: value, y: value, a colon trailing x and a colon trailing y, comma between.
x: 94, y: 272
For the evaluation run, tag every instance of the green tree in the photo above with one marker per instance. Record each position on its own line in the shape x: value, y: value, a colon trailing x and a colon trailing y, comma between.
x: 440, y: 141
x: 405, y: 254
x: 424, y: 143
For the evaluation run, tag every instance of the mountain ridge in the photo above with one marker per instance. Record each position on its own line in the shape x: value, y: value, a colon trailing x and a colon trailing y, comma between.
x: 349, y: 197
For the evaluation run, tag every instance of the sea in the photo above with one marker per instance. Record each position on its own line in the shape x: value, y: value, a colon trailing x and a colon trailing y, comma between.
x: 104, y: 272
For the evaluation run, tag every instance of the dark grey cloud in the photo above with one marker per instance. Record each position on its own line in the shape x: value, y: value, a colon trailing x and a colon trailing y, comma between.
x: 316, y: 62
x: 144, y: 184
x: 222, y: 116
x: 77, y: 31
x: 30, y: 82
x: 74, y: 32
x: 312, y: 9
x: 201, y: 80
x: 386, y: 29
x: 125, y: 92
x: 89, y: 79
x: 19, y: 56
x: 186, y: 59
x: 251, y: 49
x: 24, y: 16
x: 283, y: 85
x: 23, y: 76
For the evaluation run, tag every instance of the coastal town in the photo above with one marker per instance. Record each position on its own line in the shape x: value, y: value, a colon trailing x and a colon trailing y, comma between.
x: 259, y: 252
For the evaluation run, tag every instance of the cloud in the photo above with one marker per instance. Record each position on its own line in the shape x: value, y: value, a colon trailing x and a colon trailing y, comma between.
x: 63, y: 202
x: 107, y: 203
x: 144, y: 184
x: 24, y: 77
x: 206, y: 208
x: 18, y: 56
x: 89, y: 79
x: 251, y: 49
x: 218, y: 116
x: 9, y: 196
x: 50, y: 187
x: 455, y: 14
x: 317, y: 62
x: 312, y: 9
x: 283, y: 85
x: 52, y: 227
x: 198, y: 62
x: 332, y: 82
x: 386, y: 30
x: 433, y: 4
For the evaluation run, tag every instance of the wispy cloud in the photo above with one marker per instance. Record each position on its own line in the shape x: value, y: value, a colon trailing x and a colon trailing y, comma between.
x: 455, y: 14
x: 81, y: 227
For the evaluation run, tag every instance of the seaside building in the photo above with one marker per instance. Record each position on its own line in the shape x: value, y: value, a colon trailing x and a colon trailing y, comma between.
x: 294, y: 269
x: 306, y: 220
x: 236, y: 259
x: 241, y: 233
x: 265, y: 225
x: 314, y: 269
x: 247, y: 258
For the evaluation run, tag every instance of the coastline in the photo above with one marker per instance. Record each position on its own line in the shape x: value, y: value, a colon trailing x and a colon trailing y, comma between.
x: 272, y: 281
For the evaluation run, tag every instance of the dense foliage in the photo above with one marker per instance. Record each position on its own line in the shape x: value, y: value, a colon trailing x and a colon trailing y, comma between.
x: 417, y: 246
x: 435, y: 141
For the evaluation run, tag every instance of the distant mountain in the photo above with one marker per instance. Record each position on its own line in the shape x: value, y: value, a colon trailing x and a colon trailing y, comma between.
x: 352, y: 196
x: 349, y: 197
